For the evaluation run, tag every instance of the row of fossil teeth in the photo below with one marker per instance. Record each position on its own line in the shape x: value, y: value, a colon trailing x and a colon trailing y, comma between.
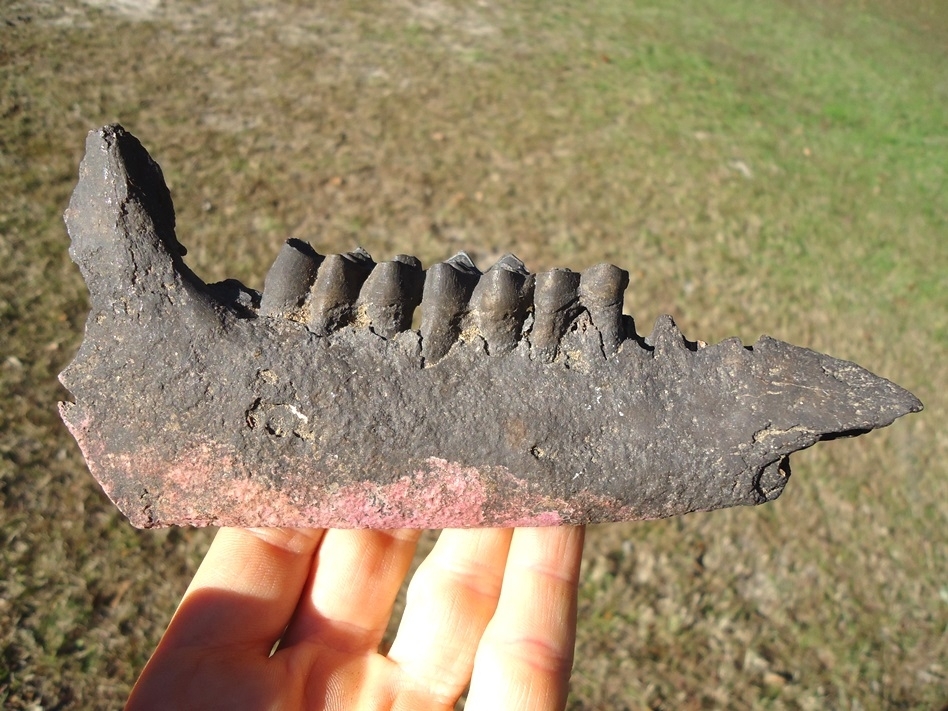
x: 328, y: 293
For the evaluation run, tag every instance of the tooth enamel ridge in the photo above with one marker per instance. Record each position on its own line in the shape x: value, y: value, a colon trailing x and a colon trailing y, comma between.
x: 520, y: 400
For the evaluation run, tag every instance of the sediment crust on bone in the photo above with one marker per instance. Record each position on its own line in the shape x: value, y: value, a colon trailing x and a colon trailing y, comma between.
x: 522, y: 399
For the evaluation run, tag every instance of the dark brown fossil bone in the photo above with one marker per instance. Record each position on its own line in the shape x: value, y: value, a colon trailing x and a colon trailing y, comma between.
x: 523, y: 400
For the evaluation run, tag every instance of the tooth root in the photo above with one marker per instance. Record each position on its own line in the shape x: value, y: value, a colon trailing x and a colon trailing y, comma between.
x: 390, y: 295
x: 601, y: 290
x: 289, y: 280
x: 333, y: 296
x: 447, y: 294
x: 500, y: 304
x: 555, y: 306
x: 666, y: 337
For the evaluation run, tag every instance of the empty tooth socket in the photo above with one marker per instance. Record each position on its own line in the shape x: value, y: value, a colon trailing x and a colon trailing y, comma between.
x: 601, y: 290
x: 289, y: 279
x: 334, y: 293
x: 500, y: 303
x: 555, y: 307
x: 390, y: 295
x: 447, y: 293
x: 236, y: 296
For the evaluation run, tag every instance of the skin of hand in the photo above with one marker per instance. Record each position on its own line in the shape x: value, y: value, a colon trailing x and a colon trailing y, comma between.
x: 293, y: 619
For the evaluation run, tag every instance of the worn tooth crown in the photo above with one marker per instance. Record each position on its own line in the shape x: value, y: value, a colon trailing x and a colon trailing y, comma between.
x: 522, y: 400
x: 390, y: 295
x: 601, y: 290
x: 555, y: 307
x: 500, y: 304
x: 332, y: 298
x: 457, y: 300
x: 289, y: 280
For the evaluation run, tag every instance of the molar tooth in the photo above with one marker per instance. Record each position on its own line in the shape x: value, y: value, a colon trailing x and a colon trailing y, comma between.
x: 500, y: 303
x: 333, y: 296
x: 391, y: 293
x: 601, y: 291
x: 289, y: 279
x: 447, y: 293
x: 555, y: 306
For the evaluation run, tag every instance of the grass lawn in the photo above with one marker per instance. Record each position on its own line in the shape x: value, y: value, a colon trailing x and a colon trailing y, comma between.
x: 771, y: 167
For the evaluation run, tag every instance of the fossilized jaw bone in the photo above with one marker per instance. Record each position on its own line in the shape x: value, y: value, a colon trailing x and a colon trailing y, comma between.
x: 521, y: 400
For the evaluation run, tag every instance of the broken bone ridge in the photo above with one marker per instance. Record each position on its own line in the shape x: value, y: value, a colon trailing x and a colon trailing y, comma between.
x: 523, y: 399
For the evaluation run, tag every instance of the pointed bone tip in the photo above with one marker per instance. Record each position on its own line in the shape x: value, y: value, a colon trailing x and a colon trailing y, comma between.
x: 863, y: 400
x: 127, y: 154
x: 121, y: 195
x: 916, y: 405
x: 105, y: 137
x: 666, y: 335
x: 885, y: 400
x: 109, y: 151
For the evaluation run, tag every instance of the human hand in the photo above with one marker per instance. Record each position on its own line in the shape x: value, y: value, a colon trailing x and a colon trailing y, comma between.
x: 495, y: 608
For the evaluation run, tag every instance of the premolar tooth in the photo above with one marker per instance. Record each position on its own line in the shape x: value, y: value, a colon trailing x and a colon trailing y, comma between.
x: 289, y: 280
x: 601, y: 290
x: 391, y: 293
x: 333, y: 296
x: 556, y: 305
x: 500, y: 303
x: 447, y: 293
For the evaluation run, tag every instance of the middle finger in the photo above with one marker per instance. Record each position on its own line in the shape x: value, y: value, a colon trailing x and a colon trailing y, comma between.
x: 450, y: 601
x: 352, y: 588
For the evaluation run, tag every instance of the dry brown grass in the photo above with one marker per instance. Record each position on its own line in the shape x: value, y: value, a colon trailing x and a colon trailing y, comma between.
x: 764, y: 168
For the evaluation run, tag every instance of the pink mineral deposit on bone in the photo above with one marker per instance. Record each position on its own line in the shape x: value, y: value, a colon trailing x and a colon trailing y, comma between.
x: 205, y: 485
